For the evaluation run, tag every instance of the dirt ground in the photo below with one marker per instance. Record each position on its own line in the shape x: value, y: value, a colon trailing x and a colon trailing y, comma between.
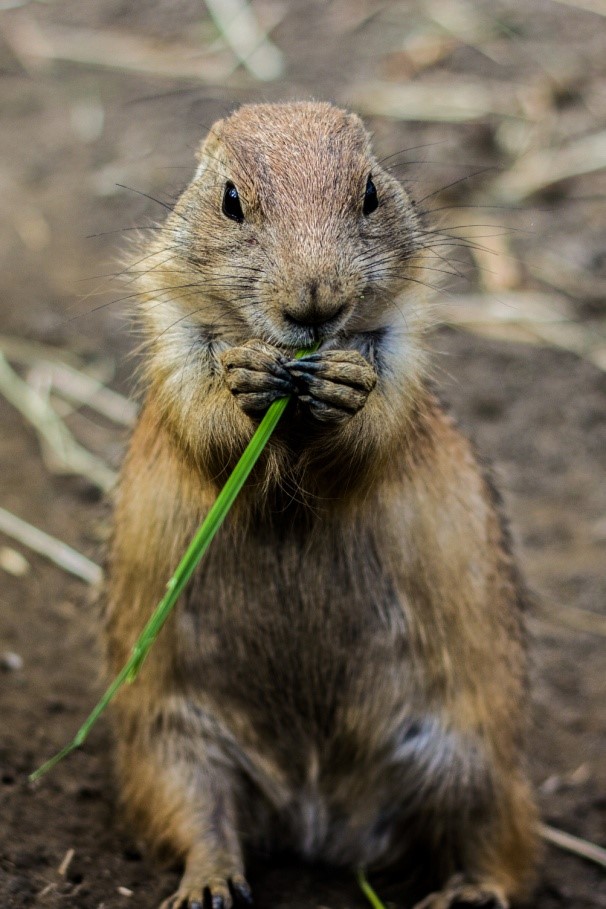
x: 75, y: 130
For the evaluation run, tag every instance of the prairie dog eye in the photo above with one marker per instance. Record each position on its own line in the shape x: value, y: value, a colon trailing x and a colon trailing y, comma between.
x: 371, y: 200
x: 231, y: 203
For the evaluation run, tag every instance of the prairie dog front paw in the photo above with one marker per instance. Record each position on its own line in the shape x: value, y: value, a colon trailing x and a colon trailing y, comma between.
x: 256, y: 374
x: 334, y: 384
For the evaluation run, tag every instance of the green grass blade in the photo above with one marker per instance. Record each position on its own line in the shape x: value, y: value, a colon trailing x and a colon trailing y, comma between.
x: 368, y: 892
x: 183, y: 573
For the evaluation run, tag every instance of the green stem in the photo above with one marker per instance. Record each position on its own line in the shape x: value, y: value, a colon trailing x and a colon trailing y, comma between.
x: 184, y: 571
x: 368, y: 891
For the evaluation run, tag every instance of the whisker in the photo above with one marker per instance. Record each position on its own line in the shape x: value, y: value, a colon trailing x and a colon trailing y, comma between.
x: 441, y: 189
x: 153, y: 199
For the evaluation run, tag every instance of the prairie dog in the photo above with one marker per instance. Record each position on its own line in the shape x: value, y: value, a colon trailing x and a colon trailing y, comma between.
x: 346, y: 673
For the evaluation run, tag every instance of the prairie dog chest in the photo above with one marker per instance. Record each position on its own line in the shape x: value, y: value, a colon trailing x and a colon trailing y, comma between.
x: 291, y: 625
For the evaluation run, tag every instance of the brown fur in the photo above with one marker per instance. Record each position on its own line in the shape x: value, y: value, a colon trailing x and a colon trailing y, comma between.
x: 346, y: 672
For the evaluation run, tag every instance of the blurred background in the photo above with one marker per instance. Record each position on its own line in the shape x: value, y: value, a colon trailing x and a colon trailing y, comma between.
x: 493, y: 114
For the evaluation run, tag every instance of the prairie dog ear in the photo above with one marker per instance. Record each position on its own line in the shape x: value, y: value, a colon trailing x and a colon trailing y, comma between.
x: 207, y: 148
x: 356, y: 122
x: 358, y: 128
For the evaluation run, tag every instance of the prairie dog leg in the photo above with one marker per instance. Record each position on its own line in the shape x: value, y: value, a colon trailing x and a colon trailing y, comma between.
x: 479, y: 823
x: 213, y: 866
x: 496, y: 861
x: 178, y: 789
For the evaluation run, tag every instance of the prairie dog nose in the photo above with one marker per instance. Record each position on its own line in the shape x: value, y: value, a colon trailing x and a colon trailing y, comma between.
x: 316, y: 306
x: 312, y: 318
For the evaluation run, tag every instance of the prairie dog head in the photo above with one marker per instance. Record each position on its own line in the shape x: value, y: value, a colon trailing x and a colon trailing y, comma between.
x: 290, y: 231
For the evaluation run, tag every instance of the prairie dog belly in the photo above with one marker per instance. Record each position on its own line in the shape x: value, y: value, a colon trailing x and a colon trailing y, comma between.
x: 344, y: 723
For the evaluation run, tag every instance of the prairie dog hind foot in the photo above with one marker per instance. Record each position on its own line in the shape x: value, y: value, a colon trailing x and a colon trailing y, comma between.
x: 221, y: 890
x: 460, y: 894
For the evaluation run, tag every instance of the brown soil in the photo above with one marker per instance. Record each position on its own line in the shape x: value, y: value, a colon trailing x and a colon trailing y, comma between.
x: 539, y: 414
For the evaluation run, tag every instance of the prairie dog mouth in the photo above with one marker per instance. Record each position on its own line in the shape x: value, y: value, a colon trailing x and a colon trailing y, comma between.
x: 305, y: 331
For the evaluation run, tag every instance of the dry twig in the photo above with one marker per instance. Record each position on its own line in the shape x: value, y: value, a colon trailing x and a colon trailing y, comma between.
x: 83, y: 389
x: 460, y: 19
x: 49, y: 547
x: 552, y: 270
x: 62, y: 452
x: 442, y: 101
x: 242, y: 32
x: 575, y: 845
x: 34, y: 45
x: 539, y: 169
x: 572, y: 617
x: 527, y: 318
x: 64, y: 373
x: 592, y: 6
x: 28, y: 352
x: 498, y: 268
x: 67, y: 860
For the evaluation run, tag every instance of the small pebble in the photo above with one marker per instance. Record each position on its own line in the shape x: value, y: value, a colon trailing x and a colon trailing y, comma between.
x: 13, y: 562
x: 11, y: 662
